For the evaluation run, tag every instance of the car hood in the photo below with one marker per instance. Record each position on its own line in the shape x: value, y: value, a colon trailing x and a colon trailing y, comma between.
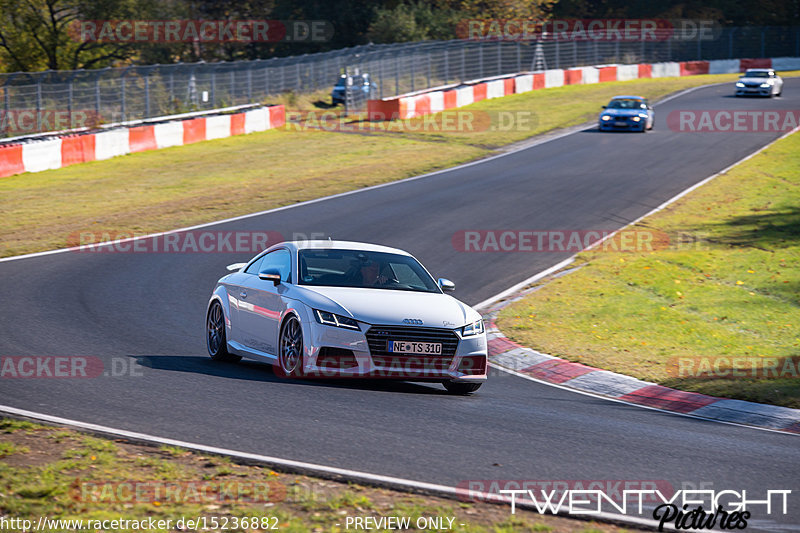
x: 757, y: 80
x: 388, y: 307
x: 624, y: 112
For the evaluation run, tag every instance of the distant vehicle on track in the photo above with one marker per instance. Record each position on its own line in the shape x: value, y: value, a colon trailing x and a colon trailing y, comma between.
x: 759, y: 82
x: 346, y: 309
x: 627, y: 113
x: 361, y: 82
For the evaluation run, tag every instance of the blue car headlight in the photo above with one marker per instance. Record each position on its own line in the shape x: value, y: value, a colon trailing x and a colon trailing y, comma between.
x: 739, y: 84
x: 605, y: 118
x: 636, y: 119
x: 764, y: 85
x: 330, y: 319
x: 476, y: 328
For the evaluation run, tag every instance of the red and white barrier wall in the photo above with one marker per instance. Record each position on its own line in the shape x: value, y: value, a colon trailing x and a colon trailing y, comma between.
x: 414, y: 105
x: 65, y: 150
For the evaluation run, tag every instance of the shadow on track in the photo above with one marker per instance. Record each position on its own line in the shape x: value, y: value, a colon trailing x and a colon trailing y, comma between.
x: 255, y: 371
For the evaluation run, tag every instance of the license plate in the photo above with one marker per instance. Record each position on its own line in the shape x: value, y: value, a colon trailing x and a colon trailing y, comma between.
x: 421, y: 348
x: 620, y: 123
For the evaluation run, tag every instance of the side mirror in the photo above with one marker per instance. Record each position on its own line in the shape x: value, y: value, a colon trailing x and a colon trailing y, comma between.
x: 603, y: 107
x: 446, y: 285
x: 270, y: 275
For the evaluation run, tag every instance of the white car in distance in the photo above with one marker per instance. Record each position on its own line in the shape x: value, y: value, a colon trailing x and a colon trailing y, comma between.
x: 759, y: 82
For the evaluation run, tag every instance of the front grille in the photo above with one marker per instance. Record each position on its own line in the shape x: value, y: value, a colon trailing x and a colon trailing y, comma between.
x: 378, y: 338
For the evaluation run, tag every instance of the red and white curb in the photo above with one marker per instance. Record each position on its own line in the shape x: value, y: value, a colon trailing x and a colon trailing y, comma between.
x: 543, y: 367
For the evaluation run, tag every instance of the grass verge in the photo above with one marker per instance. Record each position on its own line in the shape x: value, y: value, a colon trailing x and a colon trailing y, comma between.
x: 718, y: 314
x: 212, y: 180
x: 63, y: 474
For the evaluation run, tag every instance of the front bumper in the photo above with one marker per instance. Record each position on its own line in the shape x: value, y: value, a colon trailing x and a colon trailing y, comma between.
x: 622, y: 124
x: 753, y: 91
x: 332, y: 352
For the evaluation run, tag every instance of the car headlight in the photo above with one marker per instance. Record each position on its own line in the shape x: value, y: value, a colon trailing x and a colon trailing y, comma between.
x: 330, y: 319
x: 476, y: 328
x: 739, y: 84
x: 605, y: 117
x: 636, y: 119
x: 765, y: 85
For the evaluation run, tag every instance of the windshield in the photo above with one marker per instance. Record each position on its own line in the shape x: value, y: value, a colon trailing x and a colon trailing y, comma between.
x: 756, y: 74
x: 626, y: 104
x: 365, y: 269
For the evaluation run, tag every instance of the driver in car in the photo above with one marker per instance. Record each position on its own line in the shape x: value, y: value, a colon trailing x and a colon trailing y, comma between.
x: 372, y: 275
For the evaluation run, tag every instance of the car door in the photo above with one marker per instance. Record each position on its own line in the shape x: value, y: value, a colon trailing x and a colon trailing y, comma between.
x: 261, y: 303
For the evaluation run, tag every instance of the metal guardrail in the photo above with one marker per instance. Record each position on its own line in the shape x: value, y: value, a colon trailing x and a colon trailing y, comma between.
x: 31, y: 102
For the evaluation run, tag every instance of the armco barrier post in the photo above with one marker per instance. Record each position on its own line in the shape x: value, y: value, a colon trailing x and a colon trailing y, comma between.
x: 97, y: 94
x: 429, y: 68
x: 38, y: 104
x: 122, y: 88
x: 147, y: 95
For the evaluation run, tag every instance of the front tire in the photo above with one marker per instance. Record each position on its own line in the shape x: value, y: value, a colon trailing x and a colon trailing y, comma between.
x: 460, y: 387
x: 290, y: 349
x: 216, y: 340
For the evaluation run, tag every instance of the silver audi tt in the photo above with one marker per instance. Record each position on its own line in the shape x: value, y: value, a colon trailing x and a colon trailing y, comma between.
x: 334, y: 309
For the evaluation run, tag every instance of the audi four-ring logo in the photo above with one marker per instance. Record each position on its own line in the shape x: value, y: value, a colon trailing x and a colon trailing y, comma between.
x: 416, y: 321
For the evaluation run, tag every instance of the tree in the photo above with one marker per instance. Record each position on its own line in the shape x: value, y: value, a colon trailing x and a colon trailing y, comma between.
x: 42, y: 34
x: 398, y: 24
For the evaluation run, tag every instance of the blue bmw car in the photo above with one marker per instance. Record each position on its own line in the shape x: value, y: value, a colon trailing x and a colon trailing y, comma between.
x: 627, y: 113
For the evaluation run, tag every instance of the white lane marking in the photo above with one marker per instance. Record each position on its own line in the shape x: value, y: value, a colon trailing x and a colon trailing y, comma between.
x: 522, y: 284
x: 296, y: 466
x: 617, y: 400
